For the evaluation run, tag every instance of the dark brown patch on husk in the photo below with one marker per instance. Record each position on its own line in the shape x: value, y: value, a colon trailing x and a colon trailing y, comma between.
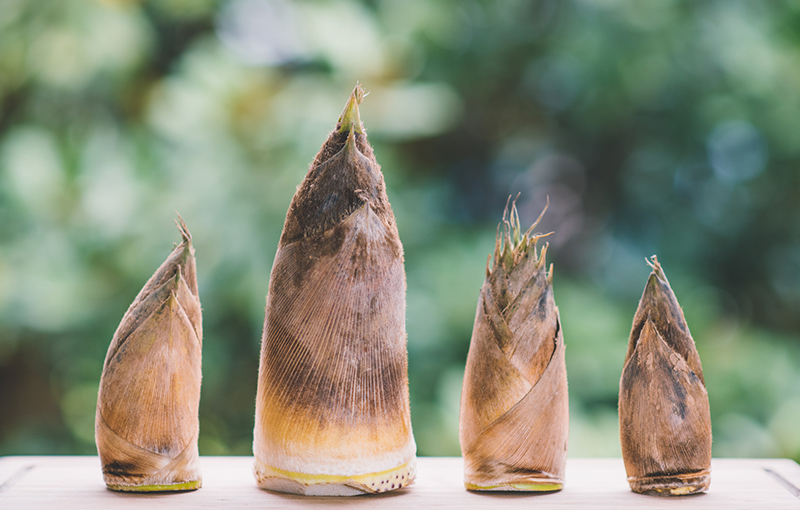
x: 658, y: 303
x: 309, y: 251
x: 130, y: 470
x: 342, y: 178
x: 665, y: 424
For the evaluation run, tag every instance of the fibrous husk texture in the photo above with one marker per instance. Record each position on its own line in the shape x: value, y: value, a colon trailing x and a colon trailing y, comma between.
x: 333, y: 384
x: 514, y: 409
x: 147, y: 424
x: 665, y: 423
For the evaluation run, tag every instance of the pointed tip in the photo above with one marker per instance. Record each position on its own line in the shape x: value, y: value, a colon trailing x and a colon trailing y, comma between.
x: 508, y: 214
x: 648, y: 332
x: 174, y: 281
x: 652, y: 291
x: 172, y: 299
x: 497, y: 246
x: 658, y: 271
x: 350, y: 145
x: 184, y: 230
x: 350, y: 119
x: 542, y: 254
x: 649, y: 324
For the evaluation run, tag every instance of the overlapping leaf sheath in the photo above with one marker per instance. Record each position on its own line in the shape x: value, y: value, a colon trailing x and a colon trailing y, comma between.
x: 146, y: 424
x: 664, y: 418
x: 514, y: 409
x: 332, y: 411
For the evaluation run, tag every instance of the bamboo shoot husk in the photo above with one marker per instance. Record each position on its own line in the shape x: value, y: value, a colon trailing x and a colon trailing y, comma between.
x: 332, y: 410
x: 146, y: 424
x: 665, y: 422
x: 514, y: 410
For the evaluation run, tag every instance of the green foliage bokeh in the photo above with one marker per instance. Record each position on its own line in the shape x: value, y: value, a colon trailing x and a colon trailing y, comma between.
x: 664, y: 127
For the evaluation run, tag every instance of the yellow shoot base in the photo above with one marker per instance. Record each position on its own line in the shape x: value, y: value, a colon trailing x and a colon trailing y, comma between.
x: 531, y: 487
x: 281, y: 480
x: 172, y: 487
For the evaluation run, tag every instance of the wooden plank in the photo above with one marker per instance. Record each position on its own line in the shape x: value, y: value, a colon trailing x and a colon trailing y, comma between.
x: 75, y: 482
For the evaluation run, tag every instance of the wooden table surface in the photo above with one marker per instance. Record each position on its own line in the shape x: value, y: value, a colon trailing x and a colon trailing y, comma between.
x: 34, y: 483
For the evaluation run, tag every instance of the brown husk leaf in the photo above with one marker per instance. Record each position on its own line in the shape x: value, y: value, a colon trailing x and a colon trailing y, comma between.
x: 514, y: 409
x: 665, y: 422
x: 147, y: 424
x: 333, y: 384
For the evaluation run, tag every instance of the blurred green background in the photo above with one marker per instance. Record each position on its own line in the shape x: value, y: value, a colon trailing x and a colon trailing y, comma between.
x: 667, y: 128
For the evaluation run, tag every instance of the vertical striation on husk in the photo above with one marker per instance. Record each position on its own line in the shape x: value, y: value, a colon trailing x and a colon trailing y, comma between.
x: 664, y: 418
x: 146, y: 425
x: 514, y: 418
x: 332, y: 410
